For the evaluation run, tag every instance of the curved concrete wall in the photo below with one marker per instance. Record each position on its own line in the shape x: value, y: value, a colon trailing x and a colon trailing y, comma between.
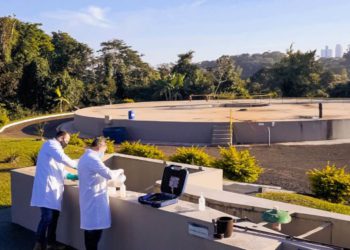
x: 291, y: 131
x: 201, y: 132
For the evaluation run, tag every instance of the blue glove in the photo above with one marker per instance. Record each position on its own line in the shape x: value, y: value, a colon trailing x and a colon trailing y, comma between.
x: 72, y: 177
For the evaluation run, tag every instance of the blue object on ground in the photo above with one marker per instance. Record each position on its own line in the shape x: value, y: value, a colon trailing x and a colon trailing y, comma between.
x: 131, y: 115
x: 117, y: 134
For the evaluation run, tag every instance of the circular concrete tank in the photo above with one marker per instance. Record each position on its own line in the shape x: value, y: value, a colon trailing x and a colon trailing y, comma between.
x: 196, y: 122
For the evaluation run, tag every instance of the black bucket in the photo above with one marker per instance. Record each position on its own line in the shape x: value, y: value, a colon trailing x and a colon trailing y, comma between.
x: 223, y: 226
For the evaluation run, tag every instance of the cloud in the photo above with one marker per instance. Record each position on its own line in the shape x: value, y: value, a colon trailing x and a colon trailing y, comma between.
x: 92, y: 16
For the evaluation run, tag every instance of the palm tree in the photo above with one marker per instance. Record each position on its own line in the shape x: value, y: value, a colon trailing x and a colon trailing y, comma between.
x: 171, y: 86
x: 177, y: 82
x: 60, y: 99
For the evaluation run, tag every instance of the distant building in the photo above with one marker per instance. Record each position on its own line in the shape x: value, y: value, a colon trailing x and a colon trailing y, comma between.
x: 326, y: 52
x: 338, y: 51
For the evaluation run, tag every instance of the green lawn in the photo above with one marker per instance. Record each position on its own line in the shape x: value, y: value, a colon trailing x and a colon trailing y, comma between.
x: 23, y: 148
x: 307, y: 201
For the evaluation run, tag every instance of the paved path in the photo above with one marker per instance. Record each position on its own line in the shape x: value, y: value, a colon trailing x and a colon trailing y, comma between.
x: 29, y: 129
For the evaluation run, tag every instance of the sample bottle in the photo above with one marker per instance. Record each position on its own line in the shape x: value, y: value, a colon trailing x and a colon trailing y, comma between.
x: 201, y: 203
x: 122, y: 190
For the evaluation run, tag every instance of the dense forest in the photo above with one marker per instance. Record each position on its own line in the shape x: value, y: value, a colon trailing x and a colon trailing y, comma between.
x: 41, y: 73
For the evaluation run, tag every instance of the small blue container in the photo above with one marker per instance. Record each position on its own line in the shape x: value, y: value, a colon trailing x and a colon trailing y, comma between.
x: 131, y: 115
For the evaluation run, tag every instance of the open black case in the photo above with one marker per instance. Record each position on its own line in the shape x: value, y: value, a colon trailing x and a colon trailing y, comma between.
x: 173, y: 185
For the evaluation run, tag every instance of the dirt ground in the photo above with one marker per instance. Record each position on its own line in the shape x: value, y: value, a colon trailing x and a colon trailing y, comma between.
x: 284, y: 166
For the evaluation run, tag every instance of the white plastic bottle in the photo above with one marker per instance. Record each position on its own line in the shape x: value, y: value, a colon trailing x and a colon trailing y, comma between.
x: 201, y: 203
x: 122, y: 190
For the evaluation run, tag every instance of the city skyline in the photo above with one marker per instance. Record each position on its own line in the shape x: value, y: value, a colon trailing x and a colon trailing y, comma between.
x: 162, y: 30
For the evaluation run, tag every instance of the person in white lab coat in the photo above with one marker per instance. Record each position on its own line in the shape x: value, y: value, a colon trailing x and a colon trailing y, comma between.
x: 48, y: 188
x: 93, y: 174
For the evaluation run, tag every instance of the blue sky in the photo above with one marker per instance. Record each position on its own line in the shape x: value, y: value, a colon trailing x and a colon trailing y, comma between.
x: 162, y: 29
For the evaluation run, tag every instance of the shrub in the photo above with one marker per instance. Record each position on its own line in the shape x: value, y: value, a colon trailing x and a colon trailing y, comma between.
x: 110, y: 146
x: 138, y: 149
x: 33, y: 157
x: 127, y: 100
x: 330, y: 183
x: 17, y: 112
x: 13, y: 157
x: 191, y: 155
x: 76, y: 141
x: 40, y: 130
x: 238, y: 165
x: 4, y: 119
x: 88, y: 141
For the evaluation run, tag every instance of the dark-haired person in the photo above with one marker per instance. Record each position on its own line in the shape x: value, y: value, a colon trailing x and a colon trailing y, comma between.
x: 48, y: 188
x: 95, y: 213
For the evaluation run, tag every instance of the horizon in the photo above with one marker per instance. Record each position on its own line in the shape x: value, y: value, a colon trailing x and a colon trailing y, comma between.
x: 162, y: 30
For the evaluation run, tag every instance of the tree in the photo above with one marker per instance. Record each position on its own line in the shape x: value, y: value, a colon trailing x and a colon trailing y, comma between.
x: 327, y: 78
x: 70, y: 55
x: 340, y: 90
x: 32, y: 43
x: 60, y: 99
x: 8, y: 38
x: 172, y: 86
x: 346, y: 56
x: 71, y: 89
x: 250, y: 63
x: 196, y: 80
x: 33, y: 83
x: 129, y: 71
x: 226, y: 75
x: 23, y: 46
x: 298, y: 74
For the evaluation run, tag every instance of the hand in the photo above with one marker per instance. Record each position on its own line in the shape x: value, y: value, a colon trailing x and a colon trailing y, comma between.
x: 72, y: 177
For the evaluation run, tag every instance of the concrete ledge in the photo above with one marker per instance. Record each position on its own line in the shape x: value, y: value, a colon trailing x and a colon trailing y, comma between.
x: 303, y: 218
x: 131, y: 222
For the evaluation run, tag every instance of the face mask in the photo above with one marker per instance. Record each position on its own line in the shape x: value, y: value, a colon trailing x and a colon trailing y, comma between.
x: 63, y: 144
x: 101, y: 154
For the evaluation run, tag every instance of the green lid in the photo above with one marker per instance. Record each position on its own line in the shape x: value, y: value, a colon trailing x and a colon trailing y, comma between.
x: 276, y: 216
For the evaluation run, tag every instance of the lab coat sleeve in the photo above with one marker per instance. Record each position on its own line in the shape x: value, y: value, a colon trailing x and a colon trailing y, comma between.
x: 102, y: 170
x: 59, y: 156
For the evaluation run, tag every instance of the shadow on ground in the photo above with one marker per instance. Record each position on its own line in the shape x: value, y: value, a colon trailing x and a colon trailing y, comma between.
x: 13, y: 236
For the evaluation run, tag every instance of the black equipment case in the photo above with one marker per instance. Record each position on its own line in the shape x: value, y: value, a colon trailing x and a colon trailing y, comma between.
x: 173, y: 185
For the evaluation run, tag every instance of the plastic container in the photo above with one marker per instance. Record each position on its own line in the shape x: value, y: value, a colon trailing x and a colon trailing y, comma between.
x: 122, y: 191
x: 117, y: 134
x: 201, y: 203
x: 131, y: 115
x: 173, y: 185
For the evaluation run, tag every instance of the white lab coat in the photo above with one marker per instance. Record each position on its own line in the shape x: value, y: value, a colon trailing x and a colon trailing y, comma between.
x: 93, y: 197
x: 49, y: 175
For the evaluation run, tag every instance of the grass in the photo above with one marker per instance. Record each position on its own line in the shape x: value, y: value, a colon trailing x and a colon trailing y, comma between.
x: 307, y: 201
x: 25, y: 148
